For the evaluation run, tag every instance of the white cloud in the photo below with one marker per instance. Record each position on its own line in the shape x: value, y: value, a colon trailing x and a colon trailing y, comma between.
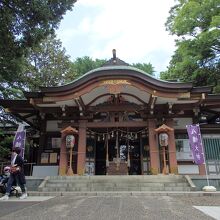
x: 135, y: 29
x: 85, y: 25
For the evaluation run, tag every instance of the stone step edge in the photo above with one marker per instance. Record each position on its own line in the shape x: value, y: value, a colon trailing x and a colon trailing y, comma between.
x: 126, y: 193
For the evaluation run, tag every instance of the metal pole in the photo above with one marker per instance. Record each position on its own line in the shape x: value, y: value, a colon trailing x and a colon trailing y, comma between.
x: 117, y: 145
x: 89, y: 165
x: 70, y: 170
x: 128, y: 156
x: 107, y: 156
x: 206, y: 172
x: 207, y: 178
x: 164, y: 160
x: 203, y: 150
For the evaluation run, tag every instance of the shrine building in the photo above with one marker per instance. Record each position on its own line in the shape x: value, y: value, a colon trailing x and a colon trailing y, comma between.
x: 116, y: 114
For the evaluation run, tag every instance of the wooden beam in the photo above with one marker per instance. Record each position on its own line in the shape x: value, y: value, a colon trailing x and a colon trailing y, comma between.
x: 201, y: 100
x: 123, y: 124
x: 114, y: 108
x: 151, y: 103
x: 134, y: 96
x: 98, y: 97
x: 29, y: 115
x: 81, y: 102
x: 15, y: 103
x: 24, y: 119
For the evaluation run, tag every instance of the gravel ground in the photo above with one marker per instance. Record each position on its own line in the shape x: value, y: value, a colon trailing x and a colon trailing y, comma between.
x: 200, y: 201
x: 111, y: 208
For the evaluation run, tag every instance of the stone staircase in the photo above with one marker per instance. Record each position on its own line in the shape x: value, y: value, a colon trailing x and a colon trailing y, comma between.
x: 171, y: 183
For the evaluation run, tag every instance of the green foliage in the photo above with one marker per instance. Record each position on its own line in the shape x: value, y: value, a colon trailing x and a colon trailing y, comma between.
x: 11, y: 92
x: 197, y: 24
x: 146, y: 67
x: 5, y: 145
x: 7, y: 118
x: 6, y: 142
x: 24, y: 24
x: 83, y: 65
x: 47, y: 65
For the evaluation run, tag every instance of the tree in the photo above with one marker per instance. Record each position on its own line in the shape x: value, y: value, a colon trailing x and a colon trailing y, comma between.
x: 83, y: 65
x: 23, y: 26
x: 7, y: 118
x: 5, y: 146
x: 146, y: 67
x: 197, y: 25
x: 47, y: 65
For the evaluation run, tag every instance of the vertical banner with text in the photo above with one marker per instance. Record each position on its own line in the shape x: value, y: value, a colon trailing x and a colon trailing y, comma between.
x: 19, y: 139
x: 196, y: 144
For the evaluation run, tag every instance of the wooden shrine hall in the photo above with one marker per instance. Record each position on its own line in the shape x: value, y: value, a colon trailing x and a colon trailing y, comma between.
x: 116, y: 114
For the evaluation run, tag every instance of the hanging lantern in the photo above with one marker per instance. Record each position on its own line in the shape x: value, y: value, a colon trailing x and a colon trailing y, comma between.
x: 112, y: 135
x: 163, y: 139
x: 98, y: 138
x: 70, y: 140
x: 136, y: 136
x: 90, y: 148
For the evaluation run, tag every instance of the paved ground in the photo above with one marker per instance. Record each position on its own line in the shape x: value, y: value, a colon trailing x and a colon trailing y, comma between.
x: 111, y: 207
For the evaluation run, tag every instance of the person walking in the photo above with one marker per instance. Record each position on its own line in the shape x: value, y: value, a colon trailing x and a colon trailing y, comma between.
x: 16, y: 174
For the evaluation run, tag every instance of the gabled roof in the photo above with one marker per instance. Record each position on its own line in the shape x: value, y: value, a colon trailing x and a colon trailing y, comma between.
x: 115, y: 86
x: 122, y: 72
x: 116, y: 68
x: 114, y: 61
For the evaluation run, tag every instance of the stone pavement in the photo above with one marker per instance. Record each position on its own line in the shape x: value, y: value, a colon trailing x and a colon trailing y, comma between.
x: 29, y: 199
x: 110, y: 207
x: 213, y: 211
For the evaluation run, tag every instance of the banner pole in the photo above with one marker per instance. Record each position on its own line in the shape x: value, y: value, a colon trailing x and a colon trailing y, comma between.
x: 203, y: 150
x: 206, y: 173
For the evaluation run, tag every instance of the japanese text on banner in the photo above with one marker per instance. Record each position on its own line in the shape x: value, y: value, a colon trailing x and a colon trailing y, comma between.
x: 195, y: 142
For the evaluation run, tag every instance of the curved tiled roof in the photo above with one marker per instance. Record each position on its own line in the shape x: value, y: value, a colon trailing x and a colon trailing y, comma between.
x: 120, y: 71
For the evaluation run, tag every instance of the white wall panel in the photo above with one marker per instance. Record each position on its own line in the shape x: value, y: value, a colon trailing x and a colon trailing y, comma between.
x: 52, y: 126
x: 188, y: 169
x: 180, y: 123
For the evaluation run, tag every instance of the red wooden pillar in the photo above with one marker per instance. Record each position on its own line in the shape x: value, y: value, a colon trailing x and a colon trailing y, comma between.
x: 202, y: 169
x: 81, y: 156
x: 154, y: 152
x: 63, y: 156
x: 42, y: 140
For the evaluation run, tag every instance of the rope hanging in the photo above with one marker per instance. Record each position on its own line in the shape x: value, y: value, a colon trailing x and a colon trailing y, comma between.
x: 128, y: 160
x: 126, y: 133
x: 107, y: 156
x: 117, y: 150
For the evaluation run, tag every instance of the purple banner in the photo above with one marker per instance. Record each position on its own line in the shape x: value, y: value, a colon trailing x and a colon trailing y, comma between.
x: 195, y: 142
x: 19, y: 141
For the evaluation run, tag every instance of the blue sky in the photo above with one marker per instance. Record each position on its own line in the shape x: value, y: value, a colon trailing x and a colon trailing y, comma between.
x: 135, y: 29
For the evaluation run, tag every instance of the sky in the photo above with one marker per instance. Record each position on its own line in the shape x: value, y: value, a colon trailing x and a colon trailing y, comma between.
x: 134, y: 28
